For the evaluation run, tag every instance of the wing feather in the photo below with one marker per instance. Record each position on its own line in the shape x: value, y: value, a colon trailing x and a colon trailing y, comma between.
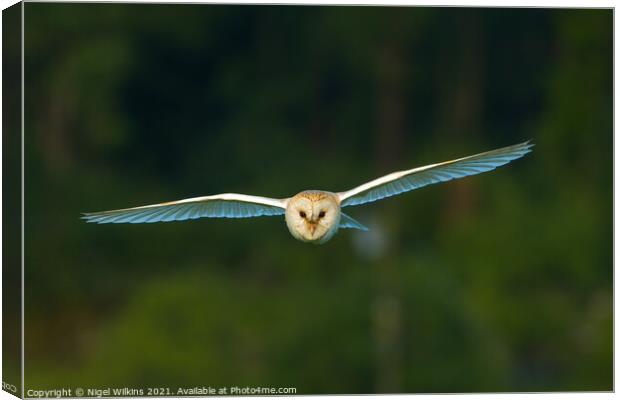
x: 404, y: 181
x: 228, y: 205
x: 348, y: 222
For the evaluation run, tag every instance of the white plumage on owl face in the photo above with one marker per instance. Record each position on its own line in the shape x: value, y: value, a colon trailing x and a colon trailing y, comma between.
x: 313, y: 215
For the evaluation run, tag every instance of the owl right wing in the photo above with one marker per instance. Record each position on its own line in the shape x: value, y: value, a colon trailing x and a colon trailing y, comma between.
x: 228, y: 205
x: 404, y: 181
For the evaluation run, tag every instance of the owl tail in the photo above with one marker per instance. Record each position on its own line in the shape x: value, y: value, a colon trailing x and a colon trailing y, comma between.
x: 348, y: 222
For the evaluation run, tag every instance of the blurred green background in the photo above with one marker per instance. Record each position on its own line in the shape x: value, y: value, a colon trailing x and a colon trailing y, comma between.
x: 499, y: 282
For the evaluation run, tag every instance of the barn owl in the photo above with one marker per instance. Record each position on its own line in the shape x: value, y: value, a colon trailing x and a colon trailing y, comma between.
x: 313, y: 216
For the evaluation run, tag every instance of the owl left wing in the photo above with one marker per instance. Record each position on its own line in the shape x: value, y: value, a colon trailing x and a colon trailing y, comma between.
x: 348, y: 222
x: 227, y: 205
x: 404, y: 181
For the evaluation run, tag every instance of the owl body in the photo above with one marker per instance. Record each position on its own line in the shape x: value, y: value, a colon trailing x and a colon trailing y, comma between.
x: 313, y: 216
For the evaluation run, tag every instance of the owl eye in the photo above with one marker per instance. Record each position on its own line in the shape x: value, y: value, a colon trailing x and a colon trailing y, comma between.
x: 321, y: 214
x: 302, y: 214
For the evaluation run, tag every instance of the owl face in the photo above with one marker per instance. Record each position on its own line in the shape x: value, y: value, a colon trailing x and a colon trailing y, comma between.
x: 313, y: 216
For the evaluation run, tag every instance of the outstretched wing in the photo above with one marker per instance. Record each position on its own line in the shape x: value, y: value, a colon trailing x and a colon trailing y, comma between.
x: 228, y: 205
x: 404, y: 181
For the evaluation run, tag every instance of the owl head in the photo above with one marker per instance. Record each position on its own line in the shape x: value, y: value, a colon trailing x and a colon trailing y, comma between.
x: 313, y: 216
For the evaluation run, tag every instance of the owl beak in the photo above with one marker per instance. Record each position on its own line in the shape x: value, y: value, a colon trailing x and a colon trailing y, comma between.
x: 311, y: 226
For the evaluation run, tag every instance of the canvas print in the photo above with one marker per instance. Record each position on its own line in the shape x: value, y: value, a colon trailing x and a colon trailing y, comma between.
x: 294, y: 200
